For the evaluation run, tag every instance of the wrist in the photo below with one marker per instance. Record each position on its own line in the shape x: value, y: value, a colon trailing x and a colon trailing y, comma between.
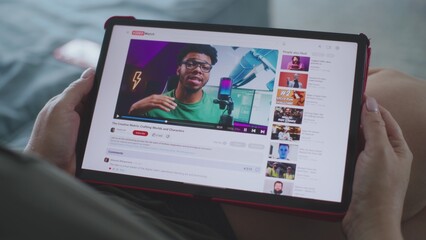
x: 61, y: 160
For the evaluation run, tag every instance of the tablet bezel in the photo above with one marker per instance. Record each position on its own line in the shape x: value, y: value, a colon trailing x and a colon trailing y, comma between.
x: 263, y: 200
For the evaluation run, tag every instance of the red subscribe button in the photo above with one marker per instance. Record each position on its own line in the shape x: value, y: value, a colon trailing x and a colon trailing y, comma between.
x: 140, y: 133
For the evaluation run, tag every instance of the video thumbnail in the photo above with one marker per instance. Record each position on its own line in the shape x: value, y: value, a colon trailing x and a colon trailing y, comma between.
x: 291, y: 97
x: 278, y: 187
x: 283, y: 151
x: 296, y: 63
x: 288, y: 115
x: 285, y: 132
x: 210, y: 86
x: 293, y: 80
x: 280, y: 170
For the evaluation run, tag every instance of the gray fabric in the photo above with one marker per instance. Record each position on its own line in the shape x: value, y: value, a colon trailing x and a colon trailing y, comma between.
x: 40, y: 201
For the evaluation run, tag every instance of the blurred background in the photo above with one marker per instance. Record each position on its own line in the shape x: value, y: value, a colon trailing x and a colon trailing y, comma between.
x: 31, y: 31
x: 395, y: 28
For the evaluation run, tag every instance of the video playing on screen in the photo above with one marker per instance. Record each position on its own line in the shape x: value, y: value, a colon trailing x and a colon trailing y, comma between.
x: 219, y: 87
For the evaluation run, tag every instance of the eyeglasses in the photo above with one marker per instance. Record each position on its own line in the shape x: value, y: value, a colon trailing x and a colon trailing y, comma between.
x: 204, y: 66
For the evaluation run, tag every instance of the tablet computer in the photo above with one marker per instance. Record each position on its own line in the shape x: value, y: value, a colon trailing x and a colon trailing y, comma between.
x: 254, y: 116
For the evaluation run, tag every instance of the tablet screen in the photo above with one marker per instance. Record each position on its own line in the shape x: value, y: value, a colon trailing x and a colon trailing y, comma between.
x: 250, y: 112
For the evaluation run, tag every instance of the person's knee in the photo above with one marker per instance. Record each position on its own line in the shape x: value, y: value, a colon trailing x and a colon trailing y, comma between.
x: 390, y: 74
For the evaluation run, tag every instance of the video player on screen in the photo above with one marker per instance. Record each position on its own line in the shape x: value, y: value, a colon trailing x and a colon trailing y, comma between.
x: 187, y: 101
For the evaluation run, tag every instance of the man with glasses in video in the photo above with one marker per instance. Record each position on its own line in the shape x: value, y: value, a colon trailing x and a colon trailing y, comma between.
x: 188, y: 101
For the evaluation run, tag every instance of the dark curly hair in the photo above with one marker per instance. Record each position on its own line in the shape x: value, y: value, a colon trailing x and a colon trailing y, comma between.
x: 198, y: 48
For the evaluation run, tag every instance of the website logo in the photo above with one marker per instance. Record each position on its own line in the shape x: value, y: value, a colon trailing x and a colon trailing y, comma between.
x: 141, y: 33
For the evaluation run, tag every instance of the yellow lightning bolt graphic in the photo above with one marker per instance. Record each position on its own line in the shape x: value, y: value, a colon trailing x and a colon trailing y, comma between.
x: 136, y: 79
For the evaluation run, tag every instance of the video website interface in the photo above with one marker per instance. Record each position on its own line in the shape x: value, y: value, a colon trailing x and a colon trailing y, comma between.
x: 249, y: 112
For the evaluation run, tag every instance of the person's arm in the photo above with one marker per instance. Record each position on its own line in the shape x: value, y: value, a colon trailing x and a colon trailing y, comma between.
x: 381, y: 178
x: 154, y: 101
